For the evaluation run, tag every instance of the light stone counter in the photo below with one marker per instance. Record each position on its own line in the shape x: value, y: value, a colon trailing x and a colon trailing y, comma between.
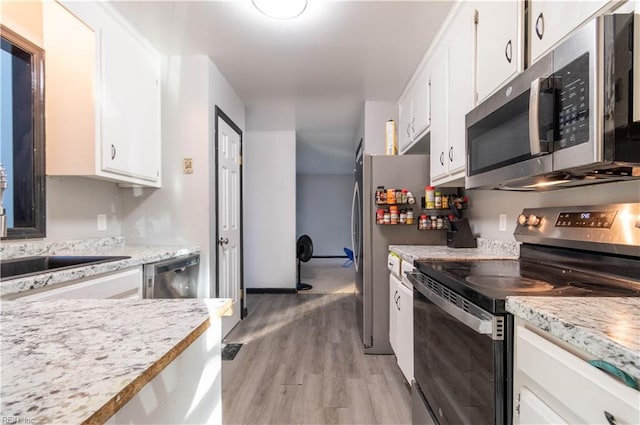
x: 77, y: 361
x: 106, y: 246
x: 488, y: 249
x: 606, y: 328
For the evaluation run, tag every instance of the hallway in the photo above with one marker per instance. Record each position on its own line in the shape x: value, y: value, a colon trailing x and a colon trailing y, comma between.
x: 302, y: 363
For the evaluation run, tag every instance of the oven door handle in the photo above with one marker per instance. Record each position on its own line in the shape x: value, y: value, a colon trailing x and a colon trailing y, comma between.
x: 483, y: 326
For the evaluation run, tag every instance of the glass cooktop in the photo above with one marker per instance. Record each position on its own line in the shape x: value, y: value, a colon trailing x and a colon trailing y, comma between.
x: 488, y: 282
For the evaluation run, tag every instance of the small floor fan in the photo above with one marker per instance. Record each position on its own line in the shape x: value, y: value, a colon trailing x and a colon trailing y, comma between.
x: 304, y: 248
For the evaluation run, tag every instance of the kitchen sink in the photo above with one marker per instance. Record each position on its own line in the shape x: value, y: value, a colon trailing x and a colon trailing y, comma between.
x: 25, y: 266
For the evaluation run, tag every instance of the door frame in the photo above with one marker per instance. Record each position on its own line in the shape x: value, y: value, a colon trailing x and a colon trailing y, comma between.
x: 219, y: 113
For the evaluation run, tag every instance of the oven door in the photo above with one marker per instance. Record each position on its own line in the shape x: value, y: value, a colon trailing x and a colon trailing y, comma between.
x: 509, y: 135
x: 460, y: 357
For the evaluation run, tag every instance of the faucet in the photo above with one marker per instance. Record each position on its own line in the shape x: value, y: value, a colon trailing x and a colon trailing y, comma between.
x: 3, y: 216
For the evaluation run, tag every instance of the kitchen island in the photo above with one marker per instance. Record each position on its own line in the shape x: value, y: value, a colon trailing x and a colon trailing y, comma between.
x: 84, y: 361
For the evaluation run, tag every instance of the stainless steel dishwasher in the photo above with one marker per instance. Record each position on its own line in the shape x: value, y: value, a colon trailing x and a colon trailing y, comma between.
x: 173, y: 278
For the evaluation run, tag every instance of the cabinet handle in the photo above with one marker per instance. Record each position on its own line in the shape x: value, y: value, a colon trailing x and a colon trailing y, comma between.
x: 508, y: 51
x: 409, y: 130
x: 451, y: 154
x: 540, y: 26
x: 442, y: 158
x: 610, y: 418
x: 113, y: 152
x: 398, y: 302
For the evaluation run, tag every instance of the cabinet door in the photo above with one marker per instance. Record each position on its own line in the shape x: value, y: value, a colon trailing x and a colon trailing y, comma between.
x: 534, y: 411
x: 421, y: 117
x: 461, y: 93
x: 394, y: 284
x: 404, y: 122
x: 550, y: 21
x: 70, y: 86
x: 498, y: 44
x: 405, y: 332
x: 439, y: 107
x: 122, y: 284
x: 130, y: 103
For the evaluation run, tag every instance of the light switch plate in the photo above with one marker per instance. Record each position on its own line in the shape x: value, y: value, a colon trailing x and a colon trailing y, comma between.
x: 102, y: 222
x: 502, y: 223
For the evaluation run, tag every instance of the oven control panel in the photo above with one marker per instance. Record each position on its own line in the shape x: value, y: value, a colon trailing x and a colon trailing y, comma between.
x: 589, y: 219
x: 612, y: 228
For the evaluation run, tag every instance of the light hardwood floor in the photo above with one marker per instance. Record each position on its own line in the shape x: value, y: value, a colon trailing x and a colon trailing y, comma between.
x: 302, y: 363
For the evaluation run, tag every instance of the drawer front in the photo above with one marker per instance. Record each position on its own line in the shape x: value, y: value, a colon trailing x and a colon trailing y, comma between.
x: 579, y: 387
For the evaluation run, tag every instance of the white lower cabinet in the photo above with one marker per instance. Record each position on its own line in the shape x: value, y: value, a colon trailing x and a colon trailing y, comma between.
x: 401, y: 325
x: 554, y: 386
x: 121, y: 284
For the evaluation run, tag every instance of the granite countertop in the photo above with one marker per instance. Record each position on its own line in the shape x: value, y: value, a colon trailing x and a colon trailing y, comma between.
x: 77, y: 361
x: 487, y: 249
x: 606, y: 328
x: 106, y: 246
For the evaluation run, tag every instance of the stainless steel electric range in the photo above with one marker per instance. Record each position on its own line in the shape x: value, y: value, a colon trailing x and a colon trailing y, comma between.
x: 463, y: 336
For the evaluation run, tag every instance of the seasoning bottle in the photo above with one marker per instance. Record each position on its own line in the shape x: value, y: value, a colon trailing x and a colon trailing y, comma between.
x: 429, y: 202
x: 380, y: 216
x: 440, y: 223
x: 403, y: 216
x: 445, y: 201
x: 393, y: 215
x: 422, y: 224
x: 409, y: 216
x: 386, y: 218
x: 391, y: 196
x: 434, y: 222
x: 438, y: 200
x: 379, y: 194
x: 398, y: 196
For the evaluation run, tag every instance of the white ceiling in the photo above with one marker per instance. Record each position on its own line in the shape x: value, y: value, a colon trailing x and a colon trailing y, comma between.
x: 311, y: 74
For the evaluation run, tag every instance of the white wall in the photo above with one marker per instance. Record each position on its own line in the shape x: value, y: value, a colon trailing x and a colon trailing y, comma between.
x: 270, y: 209
x: 376, y: 114
x: 323, y: 211
x: 486, y: 205
x: 181, y: 211
x: 73, y: 204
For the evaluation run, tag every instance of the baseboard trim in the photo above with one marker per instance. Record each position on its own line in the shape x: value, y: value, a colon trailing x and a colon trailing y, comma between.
x: 329, y: 256
x: 271, y: 290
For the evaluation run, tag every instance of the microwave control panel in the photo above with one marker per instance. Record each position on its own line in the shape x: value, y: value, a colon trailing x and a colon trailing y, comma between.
x: 572, y: 94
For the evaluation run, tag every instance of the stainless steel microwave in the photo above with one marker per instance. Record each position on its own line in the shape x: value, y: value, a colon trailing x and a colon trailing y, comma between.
x: 565, y: 121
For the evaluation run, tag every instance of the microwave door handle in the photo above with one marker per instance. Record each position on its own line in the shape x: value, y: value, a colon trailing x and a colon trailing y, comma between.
x: 534, y: 117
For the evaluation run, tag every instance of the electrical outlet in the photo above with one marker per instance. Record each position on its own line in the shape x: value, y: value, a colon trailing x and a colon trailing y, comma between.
x: 102, y: 222
x: 502, y: 222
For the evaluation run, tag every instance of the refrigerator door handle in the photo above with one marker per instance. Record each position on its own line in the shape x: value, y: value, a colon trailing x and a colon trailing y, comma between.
x: 354, y: 236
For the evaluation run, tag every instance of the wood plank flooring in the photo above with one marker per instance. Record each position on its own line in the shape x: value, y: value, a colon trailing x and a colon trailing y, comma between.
x: 302, y: 363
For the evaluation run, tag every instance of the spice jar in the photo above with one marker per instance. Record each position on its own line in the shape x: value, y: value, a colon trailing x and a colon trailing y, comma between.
x: 422, y: 224
x: 386, y: 218
x: 445, y: 201
x: 429, y: 200
x: 380, y: 216
x: 403, y: 217
x: 380, y: 195
x: 409, y: 216
x: 438, y: 200
x: 391, y: 196
x: 440, y: 223
x: 434, y: 222
x: 398, y: 196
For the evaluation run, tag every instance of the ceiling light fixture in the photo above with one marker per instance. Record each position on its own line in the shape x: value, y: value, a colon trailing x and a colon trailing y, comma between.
x: 281, y: 9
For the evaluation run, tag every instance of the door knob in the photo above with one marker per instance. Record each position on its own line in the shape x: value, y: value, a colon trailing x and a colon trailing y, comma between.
x: 223, y: 241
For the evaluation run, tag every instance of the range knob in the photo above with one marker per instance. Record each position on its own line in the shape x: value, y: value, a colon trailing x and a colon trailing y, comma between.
x: 533, y: 220
x: 522, y: 220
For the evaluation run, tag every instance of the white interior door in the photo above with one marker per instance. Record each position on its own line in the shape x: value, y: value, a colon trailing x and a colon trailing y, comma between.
x: 229, y: 219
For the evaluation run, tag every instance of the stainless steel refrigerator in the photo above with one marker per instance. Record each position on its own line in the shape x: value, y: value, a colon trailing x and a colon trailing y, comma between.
x: 370, y: 241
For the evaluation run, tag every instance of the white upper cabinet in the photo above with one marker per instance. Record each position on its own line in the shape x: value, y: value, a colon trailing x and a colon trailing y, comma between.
x: 452, y: 97
x: 551, y: 21
x: 106, y: 82
x: 414, y: 110
x: 499, y: 40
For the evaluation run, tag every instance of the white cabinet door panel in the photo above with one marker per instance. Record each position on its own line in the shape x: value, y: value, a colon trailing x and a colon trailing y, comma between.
x: 421, y: 105
x: 439, y: 108
x: 394, y: 284
x: 498, y: 44
x: 405, y: 331
x: 533, y: 411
